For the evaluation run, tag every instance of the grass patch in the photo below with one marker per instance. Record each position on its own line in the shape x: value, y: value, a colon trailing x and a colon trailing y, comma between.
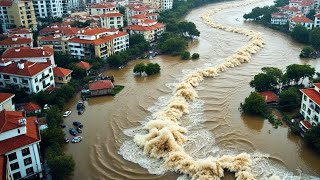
x: 116, y: 89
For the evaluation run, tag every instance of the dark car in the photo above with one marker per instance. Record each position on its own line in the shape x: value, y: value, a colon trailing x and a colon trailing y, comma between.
x: 62, y: 125
x: 78, y: 124
x: 80, y: 111
x: 79, y: 130
x: 80, y: 105
x: 66, y: 140
x: 72, y: 131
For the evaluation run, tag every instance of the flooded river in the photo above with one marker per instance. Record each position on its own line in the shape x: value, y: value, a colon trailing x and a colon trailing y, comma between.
x: 215, y: 125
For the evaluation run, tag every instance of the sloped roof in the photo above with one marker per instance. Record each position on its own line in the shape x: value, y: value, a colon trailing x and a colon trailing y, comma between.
x: 5, y: 96
x: 31, y: 107
x: 30, y: 68
x: 28, y: 52
x: 83, y: 65
x: 105, y: 5
x: 5, y: 3
x: 111, y: 15
x: 61, y: 72
x: 102, y: 84
x: 49, y: 38
x: 312, y: 94
x: 22, y: 140
x: 317, y: 15
x: 268, y: 96
x: 9, y: 120
x: 15, y: 40
x: 301, y: 18
x: 144, y: 28
x: 317, y: 85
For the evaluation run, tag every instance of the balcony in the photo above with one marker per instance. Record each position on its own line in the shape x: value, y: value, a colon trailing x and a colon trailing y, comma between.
x: 44, y: 77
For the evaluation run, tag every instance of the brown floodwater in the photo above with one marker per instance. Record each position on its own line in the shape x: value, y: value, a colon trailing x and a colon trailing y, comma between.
x: 215, y: 125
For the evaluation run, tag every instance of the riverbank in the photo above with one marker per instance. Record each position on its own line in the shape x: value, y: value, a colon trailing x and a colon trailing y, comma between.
x: 111, y: 121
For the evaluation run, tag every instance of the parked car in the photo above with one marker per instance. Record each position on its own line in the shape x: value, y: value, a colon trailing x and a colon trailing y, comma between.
x: 76, y: 139
x: 72, y: 131
x: 80, y: 111
x: 80, y: 105
x: 62, y: 125
x: 79, y: 130
x: 66, y: 140
x: 78, y: 124
x: 67, y: 113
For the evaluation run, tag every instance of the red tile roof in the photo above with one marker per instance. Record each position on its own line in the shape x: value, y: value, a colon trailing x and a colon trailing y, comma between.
x: 301, y: 18
x: 84, y: 65
x: 5, y: 3
x: 28, y: 52
x: 111, y: 15
x: 268, y: 96
x: 49, y: 38
x: 94, y: 42
x: 306, y: 124
x: 31, y: 107
x: 30, y: 137
x: 292, y: 9
x: 139, y: 16
x: 9, y: 120
x: 317, y: 85
x: 149, y: 21
x: 3, y: 167
x: 16, y: 40
x: 307, y: 3
x: 102, y: 84
x: 5, y: 96
x: 144, y: 28
x: 317, y: 15
x: 312, y: 94
x: 30, y: 68
x: 61, y: 72
x: 94, y: 31
x: 20, y: 31
x: 103, y: 6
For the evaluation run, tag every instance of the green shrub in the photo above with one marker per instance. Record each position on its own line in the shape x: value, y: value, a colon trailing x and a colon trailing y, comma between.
x: 185, y: 55
x: 195, y: 56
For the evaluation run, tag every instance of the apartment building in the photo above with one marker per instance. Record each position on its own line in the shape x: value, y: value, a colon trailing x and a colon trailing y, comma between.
x: 111, y: 20
x: 48, y: 8
x: 279, y: 18
x: 20, y: 32
x: 30, y: 76
x: 138, y: 8
x: 103, y: 8
x: 33, y: 54
x: 150, y: 29
x: 6, y: 102
x: 15, y: 41
x: 317, y: 20
x: 300, y: 19
x: 97, y: 42
x: 18, y: 13
x: 162, y: 4
x: 19, y: 146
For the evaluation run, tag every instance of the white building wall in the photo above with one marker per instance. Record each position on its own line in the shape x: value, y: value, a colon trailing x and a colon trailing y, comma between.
x: 13, y: 133
x: 36, y: 59
x: 35, y: 161
x: 48, y: 8
x: 4, y: 18
x: 7, y: 105
x: 310, y: 110
x: 316, y: 22
x: 120, y: 43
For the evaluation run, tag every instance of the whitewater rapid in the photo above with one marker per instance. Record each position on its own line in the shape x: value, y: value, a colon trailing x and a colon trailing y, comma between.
x: 163, y: 136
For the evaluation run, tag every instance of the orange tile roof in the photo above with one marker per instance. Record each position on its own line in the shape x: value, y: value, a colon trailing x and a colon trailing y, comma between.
x: 30, y: 68
x: 301, y: 18
x: 111, y: 15
x: 94, y: 31
x: 317, y: 15
x: 9, y: 120
x: 312, y: 94
x: 20, y: 31
x: 84, y: 65
x: 103, y: 6
x: 307, y: 3
x: 5, y: 3
x: 3, y: 167
x: 102, y: 84
x: 31, y: 107
x: 49, y: 38
x: 149, y: 21
x: 268, y: 96
x: 317, y: 85
x: 287, y: 8
x: 94, y: 42
x: 28, y: 52
x: 139, y: 16
x: 16, y: 40
x: 5, y: 96
x: 144, y: 28
x: 22, y: 140
x: 61, y: 72
x: 152, y: 14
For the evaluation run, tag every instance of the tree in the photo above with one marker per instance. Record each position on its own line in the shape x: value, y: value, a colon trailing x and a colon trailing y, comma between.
x: 314, y: 38
x: 188, y: 27
x: 54, y: 117
x: 51, y: 136
x: 311, y: 14
x: 300, y: 34
x: 280, y: 3
x: 185, y: 55
x: 312, y: 138
x: 79, y: 24
x: 290, y: 99
x: 306, y: 52
x: 61, y: 167
x: 152, y: 68
x: 195, y: 56
x: 297, y: 73
x: 254, y: 104
x: 139, y: 68
x: 173, y: 45
x: 263, y: 82
x: 115, y: 60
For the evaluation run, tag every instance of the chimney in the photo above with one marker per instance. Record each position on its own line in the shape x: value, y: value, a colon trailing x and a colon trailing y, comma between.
x: 17, y: 50
x: 20, y: 65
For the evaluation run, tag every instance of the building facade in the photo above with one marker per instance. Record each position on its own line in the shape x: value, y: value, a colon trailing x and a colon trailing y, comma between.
x: 15, y: 41
x: 61, y: 75
x: 150, y: 29
x: 48, y: 8
x: 279, y: 18
x: 104, y: 8
x: 111, y: 20
x: 6, y: 102
x: 310, y: 104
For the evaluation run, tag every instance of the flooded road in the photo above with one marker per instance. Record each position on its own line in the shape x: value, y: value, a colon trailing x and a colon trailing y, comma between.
x: 215, y: 125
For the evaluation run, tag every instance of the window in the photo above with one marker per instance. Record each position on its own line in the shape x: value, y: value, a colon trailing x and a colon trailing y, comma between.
x: 37, y: 88
x: 316, y: 118
x: 12, y: 156
x: 309, y: 111
x: 6, y: 77
x: 27, y: 161
x: 50, y: 70
x: 25, y: 151
x: 24, y: 81
x: 18, y: 131
x: 16, y: 175
x: 15, y: 80
x: 51, y: 78
x: 303, y: 106
x: 14, y: 166
x: 29, y: 171
x: 304, y: 97
x: 60, y: 78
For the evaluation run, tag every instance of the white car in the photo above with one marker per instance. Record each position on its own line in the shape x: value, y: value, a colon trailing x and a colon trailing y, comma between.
x: 46, y: 106
x: 76, y: 139
x: 67, y: 113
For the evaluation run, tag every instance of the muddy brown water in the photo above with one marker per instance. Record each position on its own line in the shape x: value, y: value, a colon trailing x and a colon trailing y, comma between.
x: 107, y: 118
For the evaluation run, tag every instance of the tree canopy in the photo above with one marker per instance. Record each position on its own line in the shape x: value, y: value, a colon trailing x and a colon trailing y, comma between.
x: 264, y: 82
x: 312, y: 138
x: 254, y: 104
x: 297, y: 73
x: 314, y: 38
x: 300, y: 34
x: 139, y: 68
x: 152, y: 68
x: 290, y: 99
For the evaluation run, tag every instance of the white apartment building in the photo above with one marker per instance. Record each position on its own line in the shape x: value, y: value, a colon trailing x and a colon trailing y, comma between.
x: 48, y: 8
x: 310, y: 104
x: 97, y: 42
x: 317, y: 21
x: 98, y: 9
x: 111, y: 20
x: 19, y: 146
x: 20, y: 32
x: 30, y: 76
x: 6, y: 102
x: 302, y: 20
x: 279, y: 18
x: 150, y: 29
x: 32, y: 54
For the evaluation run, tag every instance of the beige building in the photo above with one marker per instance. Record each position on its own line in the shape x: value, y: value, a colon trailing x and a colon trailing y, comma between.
x: 6, y: 101
x: 19, y: 13
x: 111, y: 20
x: 98, y: 9
x: 149, y: 28
x: 61, y: 75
